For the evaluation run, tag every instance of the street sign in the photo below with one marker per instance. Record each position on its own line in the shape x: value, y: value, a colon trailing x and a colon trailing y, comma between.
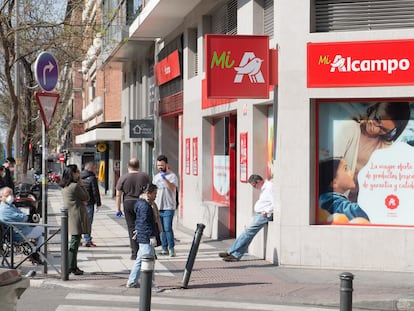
x: 47, y: 103
x: 61, y: 157
x: 46, y: 71
x: 143, y: 128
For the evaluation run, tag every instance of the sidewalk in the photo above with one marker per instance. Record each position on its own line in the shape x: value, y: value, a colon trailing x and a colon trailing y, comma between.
x: 251, y: 279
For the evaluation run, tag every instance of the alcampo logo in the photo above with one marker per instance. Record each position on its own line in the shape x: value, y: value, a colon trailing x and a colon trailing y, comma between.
x: 348, y: 64
x: 250, y: 65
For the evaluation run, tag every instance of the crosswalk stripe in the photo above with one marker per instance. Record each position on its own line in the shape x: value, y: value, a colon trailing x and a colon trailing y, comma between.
x: 93, y: 308
x: 189, y: 302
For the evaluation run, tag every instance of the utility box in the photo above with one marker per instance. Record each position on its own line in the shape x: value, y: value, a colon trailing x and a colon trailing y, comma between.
x: 12, y: 286
x: 216, y: 219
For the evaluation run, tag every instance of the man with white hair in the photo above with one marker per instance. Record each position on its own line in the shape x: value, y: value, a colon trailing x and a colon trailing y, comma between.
x: 10, y: 213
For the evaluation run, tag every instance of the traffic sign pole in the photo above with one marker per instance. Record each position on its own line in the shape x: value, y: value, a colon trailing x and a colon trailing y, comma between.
x: 46, y: 72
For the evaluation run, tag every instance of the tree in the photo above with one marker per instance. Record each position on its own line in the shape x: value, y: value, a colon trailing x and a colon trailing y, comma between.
x: 26, y: 29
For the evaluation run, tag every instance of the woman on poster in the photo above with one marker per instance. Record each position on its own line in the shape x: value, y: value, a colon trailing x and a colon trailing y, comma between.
x: 355, y: 140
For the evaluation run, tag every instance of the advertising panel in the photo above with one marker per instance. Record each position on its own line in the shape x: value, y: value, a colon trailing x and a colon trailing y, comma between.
x: 168, y: 68
x: 237, y: 66
x: 365, y: 63
x: 187, y: 156
x: 365, y: 157
x: 243, y: 157
x: 195, y: 156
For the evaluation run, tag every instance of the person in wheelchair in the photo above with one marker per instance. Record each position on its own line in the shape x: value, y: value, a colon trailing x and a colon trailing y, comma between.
x: 10, y: 213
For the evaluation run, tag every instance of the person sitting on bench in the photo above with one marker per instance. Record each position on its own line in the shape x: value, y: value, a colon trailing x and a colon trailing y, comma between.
x: 10, y: 213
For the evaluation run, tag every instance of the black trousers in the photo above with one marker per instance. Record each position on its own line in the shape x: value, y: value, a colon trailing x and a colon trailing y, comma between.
x: 130, y: 216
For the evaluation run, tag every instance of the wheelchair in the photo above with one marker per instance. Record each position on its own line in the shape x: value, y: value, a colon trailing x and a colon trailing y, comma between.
x: 25, y: 247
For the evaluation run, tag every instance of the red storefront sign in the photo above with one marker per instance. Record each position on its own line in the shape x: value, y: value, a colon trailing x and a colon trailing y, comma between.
x: 237, y: 66
x: 364, y: 63
x: 168, y: 68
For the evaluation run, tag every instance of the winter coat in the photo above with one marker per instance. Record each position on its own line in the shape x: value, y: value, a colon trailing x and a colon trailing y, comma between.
x: 91, y: 185
x: 74, y: 199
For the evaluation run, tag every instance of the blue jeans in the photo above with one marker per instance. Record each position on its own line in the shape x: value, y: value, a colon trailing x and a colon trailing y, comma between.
x: 90, y: 208
x: 144, y: 249
x: 240, y: 246
x: 167, y: 234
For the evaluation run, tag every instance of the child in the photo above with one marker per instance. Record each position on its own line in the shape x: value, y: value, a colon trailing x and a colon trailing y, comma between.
x: 335, y: 179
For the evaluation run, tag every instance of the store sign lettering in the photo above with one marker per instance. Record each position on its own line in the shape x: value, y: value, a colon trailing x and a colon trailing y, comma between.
x: 237, y: 66
x: 373, y: 63
x: 222, y: 61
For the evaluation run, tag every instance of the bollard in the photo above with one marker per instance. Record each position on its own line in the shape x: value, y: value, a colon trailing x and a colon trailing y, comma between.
x: 345, y: 303
x: 193, y: 253
x: 147, y: 269
x: 64, y: 245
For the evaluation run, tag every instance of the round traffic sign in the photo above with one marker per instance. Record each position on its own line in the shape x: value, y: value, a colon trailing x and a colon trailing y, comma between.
x: 46, y: 71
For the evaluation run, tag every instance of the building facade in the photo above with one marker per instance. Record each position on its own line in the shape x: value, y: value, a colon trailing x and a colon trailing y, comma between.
x: 335, y: 59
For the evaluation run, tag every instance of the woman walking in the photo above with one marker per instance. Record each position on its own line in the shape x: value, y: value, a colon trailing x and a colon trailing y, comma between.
x: 75, y: 197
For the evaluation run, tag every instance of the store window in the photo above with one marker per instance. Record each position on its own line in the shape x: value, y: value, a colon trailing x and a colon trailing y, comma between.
x: 365, y: 162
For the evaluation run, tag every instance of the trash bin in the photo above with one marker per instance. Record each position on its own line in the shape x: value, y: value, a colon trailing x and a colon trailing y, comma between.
x: 12, y: 286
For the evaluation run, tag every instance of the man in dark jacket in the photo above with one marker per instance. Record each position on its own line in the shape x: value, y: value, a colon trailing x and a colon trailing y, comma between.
x: 90, y: 182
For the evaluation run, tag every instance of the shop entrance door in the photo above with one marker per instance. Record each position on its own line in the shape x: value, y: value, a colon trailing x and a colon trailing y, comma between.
x: 224, y: 167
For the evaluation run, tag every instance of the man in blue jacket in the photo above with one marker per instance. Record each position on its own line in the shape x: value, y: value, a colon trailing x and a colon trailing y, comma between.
x: 10, y: 213
x: 145, y: 234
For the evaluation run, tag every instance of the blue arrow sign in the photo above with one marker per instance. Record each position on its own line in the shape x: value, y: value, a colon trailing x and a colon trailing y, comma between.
x: 46, y: 71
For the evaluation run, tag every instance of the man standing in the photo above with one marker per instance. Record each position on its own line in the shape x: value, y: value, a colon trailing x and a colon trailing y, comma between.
x: 10, y: 213
x: 263, y: 213
x: 167, y: 183
x: 90, y: 183
x: 129, y: 187
x: 9, y: 166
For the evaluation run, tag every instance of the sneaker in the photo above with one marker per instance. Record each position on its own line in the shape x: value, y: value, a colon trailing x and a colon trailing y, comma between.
x: 164, y: 252
x: 172, y: 252
x: 131, y: 285
x: 231, y: 258
x: 156, y: 289
x: 90, y: 244
x: 224, y: 254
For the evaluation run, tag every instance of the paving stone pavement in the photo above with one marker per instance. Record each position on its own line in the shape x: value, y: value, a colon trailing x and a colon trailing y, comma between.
x: 252, y: 279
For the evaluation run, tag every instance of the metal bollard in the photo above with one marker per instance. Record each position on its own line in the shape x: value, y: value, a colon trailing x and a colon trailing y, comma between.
x: 193, y: 253
x: 64, y: 245
x: 147, y: 269
x: 345, y: 303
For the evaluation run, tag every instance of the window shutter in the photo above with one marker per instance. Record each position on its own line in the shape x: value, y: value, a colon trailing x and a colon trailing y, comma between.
x: 224, y: 20
x: 345, y: 15
x: 268, y: 17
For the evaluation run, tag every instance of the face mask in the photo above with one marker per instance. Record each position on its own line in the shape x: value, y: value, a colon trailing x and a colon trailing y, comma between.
x: 10, y: 199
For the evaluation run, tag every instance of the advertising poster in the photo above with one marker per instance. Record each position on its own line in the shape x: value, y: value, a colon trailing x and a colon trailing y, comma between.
x: 187, y: 156
x: 195, y: 156
x: 270, y: 142
x: 243, y: 157
x: 365, y: 163
x: 221, y: 179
